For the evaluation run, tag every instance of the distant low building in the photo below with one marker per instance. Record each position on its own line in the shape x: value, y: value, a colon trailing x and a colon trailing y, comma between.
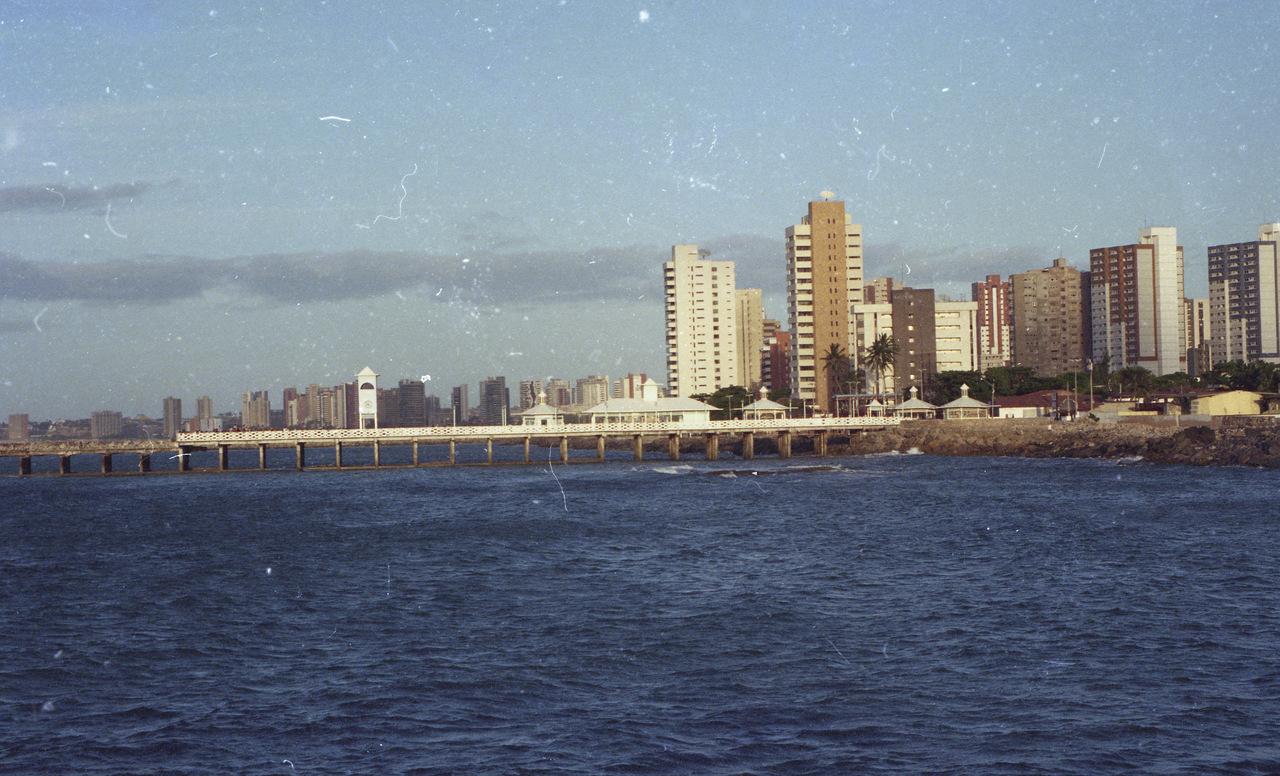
x: 1228, y: 403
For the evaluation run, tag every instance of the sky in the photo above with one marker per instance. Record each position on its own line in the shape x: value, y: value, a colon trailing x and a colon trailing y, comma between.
x: 209, y: 198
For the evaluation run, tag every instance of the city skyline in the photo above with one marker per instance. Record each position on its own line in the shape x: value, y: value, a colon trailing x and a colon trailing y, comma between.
x: 265, y: 197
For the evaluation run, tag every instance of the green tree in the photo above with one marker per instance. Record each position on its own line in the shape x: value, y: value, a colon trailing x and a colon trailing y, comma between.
x: 838, y: 368
x: 879, y: 357
x: 728, y: 401
x: 945, y: 387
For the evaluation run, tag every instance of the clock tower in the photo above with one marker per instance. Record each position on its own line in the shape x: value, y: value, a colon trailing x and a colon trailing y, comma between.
x: 367, y: 380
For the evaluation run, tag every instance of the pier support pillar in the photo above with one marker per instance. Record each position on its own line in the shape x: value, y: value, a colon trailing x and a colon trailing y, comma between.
x: 713, y: 447
x: 300, y: 455
x: 820, y: 444
x: 637, y: 447
x: 453, y: 452
x: 415, y: 452
x: 526, y: 450
x: 24, y: 466
x: 488, y: 449
x: 784, y: 444
x: 564, y: 449
x: 106, y: 463
x: 748, y: 445
x: 64, y: 464
x: 337, y: 454
x: 262, y: 456
x: 184, y: 459
x: 224, y: 457
x: 377, y: 452
x: 673, y: 446
x: 600, y: 448
x: 144, y: 463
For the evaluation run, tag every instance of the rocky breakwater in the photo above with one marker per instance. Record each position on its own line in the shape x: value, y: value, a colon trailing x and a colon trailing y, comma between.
x: 1226, y: 441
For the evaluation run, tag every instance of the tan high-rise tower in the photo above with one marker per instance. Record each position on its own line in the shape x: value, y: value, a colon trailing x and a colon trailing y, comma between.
x: 750, y: 323
x: 824, y: 278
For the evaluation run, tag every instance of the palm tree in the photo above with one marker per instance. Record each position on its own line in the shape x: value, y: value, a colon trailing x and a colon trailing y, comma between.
x: 879, y: 357
x: 836, y: 363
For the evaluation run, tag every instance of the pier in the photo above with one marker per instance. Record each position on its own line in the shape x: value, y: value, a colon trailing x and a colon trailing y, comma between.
x: 399, y: 448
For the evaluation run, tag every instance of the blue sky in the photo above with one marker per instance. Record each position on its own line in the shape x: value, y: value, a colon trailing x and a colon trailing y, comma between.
x: 177, y: 218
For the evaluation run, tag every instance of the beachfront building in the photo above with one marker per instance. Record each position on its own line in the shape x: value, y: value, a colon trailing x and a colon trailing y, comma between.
x: 824, y: 278
x: 955, y: 336
x: 749, y: 320
x: 1244, y: 298
x: 1050, y: 319
x: 994, y: 343
x: 702, y: 336
x: 1228, y: 403
x: 650, y: 408
x: 1136, y: 303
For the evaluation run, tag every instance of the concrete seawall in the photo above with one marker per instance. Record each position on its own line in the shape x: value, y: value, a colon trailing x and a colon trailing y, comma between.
x: 1225, y: 441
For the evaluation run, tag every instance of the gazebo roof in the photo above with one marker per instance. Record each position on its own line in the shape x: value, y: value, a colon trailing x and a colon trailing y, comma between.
x: 768, y: 405
x: 915, y: 403
x: 965, y: 402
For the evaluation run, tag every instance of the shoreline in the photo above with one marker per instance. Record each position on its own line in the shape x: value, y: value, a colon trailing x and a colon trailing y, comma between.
x: 1233, y: 441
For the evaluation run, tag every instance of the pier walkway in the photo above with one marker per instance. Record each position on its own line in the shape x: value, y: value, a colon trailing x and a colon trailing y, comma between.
x: 418, y: 447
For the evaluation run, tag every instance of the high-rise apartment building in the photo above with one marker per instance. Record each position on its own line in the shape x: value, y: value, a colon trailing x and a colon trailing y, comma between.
x: 915, y: 333
x: 529, y: 390
x: 436, y: 416
x: 413, y: 403
x: 19, y: 427
x: 559, y: 392
x: 824, y: 279
x: 592, y: 390
x: 460, y: 404
x: 388, y: 407
x: 750, y: 335
x: 701, y: 307
x: 878, y: 291
x: 629, y: 387
x: 495, y: 401
x: 1200, y: 357
x: 1244, y: 298
x: 104, y: 424
x: 172, y: 417
x: 955, y: 326
x: 294, y: 416
x: 775, y: 361
x: 1136, y: 300
x: 1050, y: 319
x: 994, y: 344
x: 255, y: 410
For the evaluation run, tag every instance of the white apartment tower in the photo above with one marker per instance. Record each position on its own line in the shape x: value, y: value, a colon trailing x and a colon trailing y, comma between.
x: 702, y: 337
x: 824, y: 280
x: 1244, y: 298
x: 1137, y: 293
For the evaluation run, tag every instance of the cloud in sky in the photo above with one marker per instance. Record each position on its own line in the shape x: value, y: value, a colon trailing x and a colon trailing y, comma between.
x: 499, y: 278
x: 57, y: 197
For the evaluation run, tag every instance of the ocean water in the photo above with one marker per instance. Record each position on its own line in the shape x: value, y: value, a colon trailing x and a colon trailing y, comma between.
x: 882, y: 614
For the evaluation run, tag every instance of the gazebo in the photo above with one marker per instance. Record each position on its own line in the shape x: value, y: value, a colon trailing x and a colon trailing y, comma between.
x: 965, y: 407
x: 542, y: 414
x: 875, y: 408
x: 764, y: 408
x: 916, y: 408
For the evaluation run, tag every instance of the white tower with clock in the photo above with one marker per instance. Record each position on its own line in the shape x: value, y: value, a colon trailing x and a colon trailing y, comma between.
x: 367, y: 380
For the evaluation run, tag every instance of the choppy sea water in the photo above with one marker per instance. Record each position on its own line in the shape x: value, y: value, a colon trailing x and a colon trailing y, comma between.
x: 890, y: 614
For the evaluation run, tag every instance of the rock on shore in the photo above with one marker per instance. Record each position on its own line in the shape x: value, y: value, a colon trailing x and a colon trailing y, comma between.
x: 1226, y: 441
